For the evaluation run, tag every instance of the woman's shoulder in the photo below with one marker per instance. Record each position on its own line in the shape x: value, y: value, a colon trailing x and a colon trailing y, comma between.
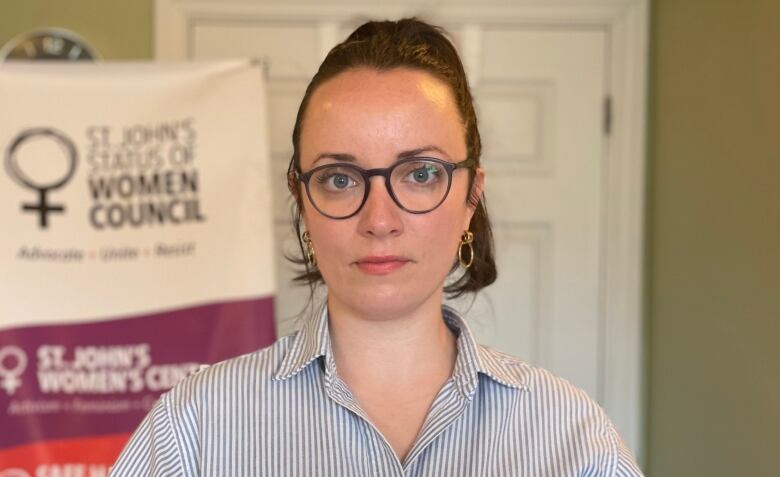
x: 560, y: 413
x: 232, y: 375
x: 549, y: 391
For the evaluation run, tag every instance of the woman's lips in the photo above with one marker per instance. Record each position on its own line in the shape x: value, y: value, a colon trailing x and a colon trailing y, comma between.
x: 380, y: 265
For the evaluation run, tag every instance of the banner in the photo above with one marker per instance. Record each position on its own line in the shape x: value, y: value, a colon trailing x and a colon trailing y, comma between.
x: 136, y: 246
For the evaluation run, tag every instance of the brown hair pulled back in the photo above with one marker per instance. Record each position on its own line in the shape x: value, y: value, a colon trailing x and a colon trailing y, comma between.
x: 407, y: 43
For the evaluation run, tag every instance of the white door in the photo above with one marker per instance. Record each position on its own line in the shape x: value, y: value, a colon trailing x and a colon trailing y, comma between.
x: 540, y: 96
x: 540, y: 91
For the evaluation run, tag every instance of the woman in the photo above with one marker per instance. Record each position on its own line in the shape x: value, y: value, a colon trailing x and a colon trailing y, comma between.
x: 384, y: 381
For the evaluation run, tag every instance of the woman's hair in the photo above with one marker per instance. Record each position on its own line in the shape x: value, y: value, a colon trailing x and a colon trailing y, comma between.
x: 408, y: 43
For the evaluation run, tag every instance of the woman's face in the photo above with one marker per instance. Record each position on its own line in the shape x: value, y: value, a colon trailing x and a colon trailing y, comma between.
x: 385, y: 262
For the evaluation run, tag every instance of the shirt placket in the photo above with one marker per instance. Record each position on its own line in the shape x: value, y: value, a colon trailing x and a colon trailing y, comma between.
x: 448, y: 406
x: 384, y: 460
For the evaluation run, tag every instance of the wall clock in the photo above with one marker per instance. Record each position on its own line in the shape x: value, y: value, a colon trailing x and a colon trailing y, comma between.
x: 48, y: 44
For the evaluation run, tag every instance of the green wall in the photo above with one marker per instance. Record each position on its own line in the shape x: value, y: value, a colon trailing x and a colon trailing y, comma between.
x: 117, y: 29
x: 714, y: 239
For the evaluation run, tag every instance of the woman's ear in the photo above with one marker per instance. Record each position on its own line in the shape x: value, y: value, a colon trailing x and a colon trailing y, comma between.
x: 475, y: 195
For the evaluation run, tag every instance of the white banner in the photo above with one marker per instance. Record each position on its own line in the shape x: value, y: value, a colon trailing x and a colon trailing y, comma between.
x: 137, y: 244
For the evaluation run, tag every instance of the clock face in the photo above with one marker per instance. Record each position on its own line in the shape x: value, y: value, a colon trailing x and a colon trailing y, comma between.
x: 47, y: 44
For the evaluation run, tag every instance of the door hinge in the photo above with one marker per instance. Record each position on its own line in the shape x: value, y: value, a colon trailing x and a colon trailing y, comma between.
x: 608, y: 115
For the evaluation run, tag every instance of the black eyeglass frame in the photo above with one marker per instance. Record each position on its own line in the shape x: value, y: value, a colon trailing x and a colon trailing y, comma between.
x: 386, y: 172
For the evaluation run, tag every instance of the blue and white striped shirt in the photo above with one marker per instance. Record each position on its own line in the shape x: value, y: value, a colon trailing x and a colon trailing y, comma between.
x: 284, y: 411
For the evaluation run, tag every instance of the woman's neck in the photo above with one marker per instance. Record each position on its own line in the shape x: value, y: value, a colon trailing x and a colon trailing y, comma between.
x: 405, y: 349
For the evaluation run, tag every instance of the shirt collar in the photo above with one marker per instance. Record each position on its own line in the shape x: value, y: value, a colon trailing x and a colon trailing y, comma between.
x: 474, y: 359
x: 313, y: 341
x: 307, y: 344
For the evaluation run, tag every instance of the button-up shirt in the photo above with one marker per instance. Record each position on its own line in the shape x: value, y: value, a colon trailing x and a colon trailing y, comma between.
x: 284, y: 411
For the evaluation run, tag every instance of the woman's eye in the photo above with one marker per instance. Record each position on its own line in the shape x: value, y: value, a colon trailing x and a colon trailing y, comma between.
x: 424, y: 175
x: 339, y: 181
x: 336, y: 181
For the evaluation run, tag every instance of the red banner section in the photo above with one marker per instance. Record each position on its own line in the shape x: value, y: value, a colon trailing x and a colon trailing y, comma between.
x: 75, y: 457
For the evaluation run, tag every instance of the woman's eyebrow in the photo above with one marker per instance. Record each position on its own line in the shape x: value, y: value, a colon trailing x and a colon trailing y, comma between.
x: 344, y: 157
x: 338, y: 156
x: 422, y: 150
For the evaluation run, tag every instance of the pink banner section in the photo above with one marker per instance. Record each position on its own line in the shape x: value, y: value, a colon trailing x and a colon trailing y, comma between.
x: 77, y: 391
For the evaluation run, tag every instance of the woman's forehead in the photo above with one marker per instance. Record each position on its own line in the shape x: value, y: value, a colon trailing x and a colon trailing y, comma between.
x: 361, y: 88
x: 365, y: 110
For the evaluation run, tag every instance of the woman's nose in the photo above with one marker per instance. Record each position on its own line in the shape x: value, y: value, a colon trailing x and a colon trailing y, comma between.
x: 380, y: 215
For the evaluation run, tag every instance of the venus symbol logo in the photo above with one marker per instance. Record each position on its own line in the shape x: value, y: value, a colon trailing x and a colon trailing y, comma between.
x: 13, y: 362
x: 50, y: 157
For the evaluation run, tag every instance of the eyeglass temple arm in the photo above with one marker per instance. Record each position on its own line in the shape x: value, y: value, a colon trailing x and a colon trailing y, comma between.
x: 293, y: 177
x: 466, y: 163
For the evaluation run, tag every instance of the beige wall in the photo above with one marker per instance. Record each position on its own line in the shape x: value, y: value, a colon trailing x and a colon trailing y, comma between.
x: 714, y: 239
x: 118, y: 29
x: 713, y: 278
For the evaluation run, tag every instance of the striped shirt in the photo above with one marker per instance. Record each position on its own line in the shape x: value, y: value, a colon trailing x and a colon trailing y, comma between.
x: 284, y: 411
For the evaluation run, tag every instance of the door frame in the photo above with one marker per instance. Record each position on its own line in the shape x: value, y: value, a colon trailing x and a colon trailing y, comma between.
x: 625, y: 23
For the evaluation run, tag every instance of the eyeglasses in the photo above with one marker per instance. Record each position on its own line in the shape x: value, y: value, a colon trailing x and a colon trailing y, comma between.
x: 417, y: 185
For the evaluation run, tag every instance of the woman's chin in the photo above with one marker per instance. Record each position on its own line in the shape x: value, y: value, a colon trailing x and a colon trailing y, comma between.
x: 385, y: 302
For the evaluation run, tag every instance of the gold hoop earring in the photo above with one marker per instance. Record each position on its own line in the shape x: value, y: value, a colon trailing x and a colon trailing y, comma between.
x: 466, y: 239
x: 310, y: 257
